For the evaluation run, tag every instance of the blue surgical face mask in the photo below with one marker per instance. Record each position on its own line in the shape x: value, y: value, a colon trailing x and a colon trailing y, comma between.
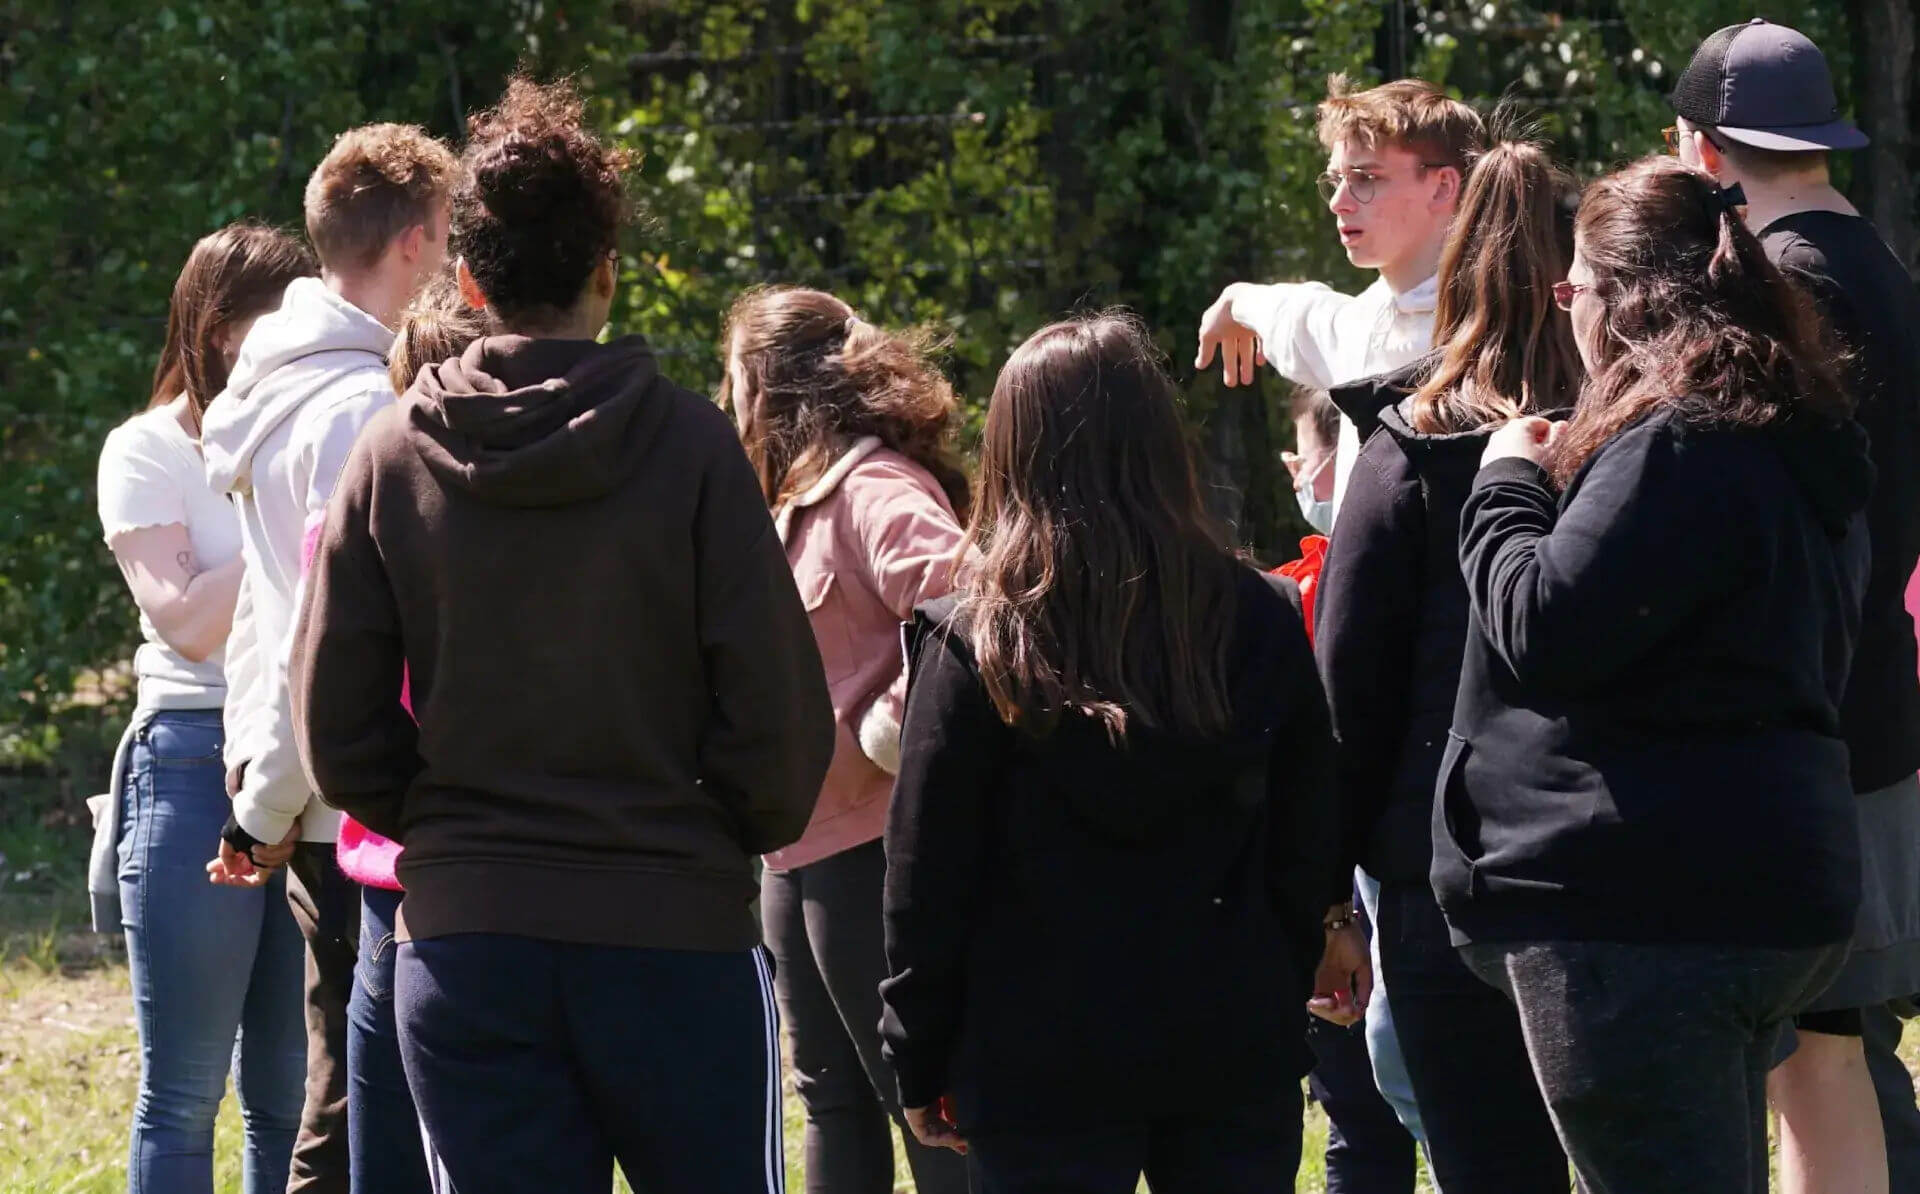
x: 1317, y: 512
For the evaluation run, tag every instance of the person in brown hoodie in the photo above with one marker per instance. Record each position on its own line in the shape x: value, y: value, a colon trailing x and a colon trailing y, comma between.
x: 619, y: 699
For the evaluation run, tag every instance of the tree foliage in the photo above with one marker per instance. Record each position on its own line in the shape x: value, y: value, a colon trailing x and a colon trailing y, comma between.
x: 979, y: 165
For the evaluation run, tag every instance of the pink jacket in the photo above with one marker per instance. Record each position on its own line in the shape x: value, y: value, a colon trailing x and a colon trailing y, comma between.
x: 364, y: 855
x: 874, y: 537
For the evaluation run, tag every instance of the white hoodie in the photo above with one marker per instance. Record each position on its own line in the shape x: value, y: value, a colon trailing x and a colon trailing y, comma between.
x: 309, y: 377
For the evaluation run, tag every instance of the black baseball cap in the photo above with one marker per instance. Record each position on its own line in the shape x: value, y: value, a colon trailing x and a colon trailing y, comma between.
x: 1767, y: 86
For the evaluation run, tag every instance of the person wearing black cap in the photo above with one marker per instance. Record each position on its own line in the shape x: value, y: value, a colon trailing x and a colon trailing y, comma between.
x: 1757, y: 110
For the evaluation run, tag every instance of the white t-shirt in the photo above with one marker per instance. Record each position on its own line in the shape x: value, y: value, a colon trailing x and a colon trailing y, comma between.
x: 151, y: 475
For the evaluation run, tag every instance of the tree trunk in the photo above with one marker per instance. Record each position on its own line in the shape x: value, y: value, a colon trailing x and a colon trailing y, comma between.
x: 1883, y: 66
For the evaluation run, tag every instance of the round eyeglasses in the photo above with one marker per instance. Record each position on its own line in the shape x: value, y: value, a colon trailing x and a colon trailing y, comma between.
x: 1363, y: 185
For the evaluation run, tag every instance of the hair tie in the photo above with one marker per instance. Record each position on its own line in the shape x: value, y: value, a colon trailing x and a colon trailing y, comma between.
x: 1728, y: 198
x: 853, y: 321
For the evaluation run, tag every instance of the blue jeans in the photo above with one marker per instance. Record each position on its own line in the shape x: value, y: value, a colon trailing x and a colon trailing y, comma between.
x: 217, y: 972
x: 386, y: 1155
x: 1389, y: 1067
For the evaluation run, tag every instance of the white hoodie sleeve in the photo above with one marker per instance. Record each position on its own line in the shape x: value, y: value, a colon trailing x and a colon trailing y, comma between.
x: 1300, y: 325
x: 275, y: 791
x: 243, y: 679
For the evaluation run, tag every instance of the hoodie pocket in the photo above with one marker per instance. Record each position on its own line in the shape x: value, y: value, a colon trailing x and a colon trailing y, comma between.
x: 1456, y: 824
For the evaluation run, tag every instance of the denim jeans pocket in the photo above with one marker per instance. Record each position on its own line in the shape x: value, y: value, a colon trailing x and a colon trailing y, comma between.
x: 374, y: 971
x: 182, y: 739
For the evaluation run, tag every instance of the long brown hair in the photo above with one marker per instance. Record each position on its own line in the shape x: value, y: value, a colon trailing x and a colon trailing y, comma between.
x: 1101, y: 586
x: 821, y: 377
x: 236, y: 273
x: 1505, y: 349
x: 1695, y: 316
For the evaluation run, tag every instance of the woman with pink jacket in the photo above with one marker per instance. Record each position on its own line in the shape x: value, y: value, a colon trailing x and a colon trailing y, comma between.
x: 849, y: 428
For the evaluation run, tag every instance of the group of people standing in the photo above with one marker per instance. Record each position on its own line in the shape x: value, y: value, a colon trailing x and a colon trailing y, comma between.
x: 492, y: 664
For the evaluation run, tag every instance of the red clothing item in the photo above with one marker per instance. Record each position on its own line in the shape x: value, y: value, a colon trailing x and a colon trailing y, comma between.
x: 1305, y: 572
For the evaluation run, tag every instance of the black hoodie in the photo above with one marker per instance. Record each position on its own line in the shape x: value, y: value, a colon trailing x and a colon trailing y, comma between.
x: 1646, y: 745
x: 1079, y: 932
x: 619, y: 699
x: 1391, y: 622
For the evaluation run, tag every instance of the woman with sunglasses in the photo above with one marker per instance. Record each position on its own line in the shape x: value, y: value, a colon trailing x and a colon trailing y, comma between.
x: 1644, y: 829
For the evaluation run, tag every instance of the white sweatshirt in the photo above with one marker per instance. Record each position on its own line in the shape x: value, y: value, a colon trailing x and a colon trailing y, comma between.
x: 1320, y: 338
x: 309, y: 377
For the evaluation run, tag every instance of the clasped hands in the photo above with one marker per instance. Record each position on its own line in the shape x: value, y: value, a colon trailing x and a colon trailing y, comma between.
x: 255, y: 865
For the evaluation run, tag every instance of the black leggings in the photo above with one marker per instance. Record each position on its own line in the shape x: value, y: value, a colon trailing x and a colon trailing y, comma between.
x: 822, y: 922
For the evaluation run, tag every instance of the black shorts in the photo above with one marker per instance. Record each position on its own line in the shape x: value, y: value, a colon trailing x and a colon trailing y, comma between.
x: 1844, y: 1021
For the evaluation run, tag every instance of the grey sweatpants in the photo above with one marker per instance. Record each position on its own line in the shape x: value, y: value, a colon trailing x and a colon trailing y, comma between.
x: 1653, y: 1059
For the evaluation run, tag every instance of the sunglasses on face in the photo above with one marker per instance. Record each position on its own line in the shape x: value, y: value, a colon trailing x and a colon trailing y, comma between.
x: 1363, y: 185
x: 1565, y: 292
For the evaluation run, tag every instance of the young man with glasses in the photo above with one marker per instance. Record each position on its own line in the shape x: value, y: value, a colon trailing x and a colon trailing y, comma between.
x: 1756, y: 108
x: 1397, y: 156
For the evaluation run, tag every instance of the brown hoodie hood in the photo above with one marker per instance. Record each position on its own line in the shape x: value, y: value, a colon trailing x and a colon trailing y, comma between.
x: 523, y: 422
x: 619, y: 697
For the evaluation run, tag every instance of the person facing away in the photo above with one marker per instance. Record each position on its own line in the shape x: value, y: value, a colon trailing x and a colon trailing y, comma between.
x: 1756, y: 109
x: 216, y: 971
x: 388, y: 1149
x: 1114, y: 762
x: 1644, y: 828
x: 1392, y: 617
x: 619, y: 703
x: 309, y: 376
x: 850, y: 429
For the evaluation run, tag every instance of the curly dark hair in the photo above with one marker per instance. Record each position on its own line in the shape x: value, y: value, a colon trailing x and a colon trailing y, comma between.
x: 541, y: 203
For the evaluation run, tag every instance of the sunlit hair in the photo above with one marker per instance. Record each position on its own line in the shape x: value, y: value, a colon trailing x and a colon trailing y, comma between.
x: 1504, y: 349
x: 821, y: 377
x: 376, y: 182
x: 1694, y: 315
x: 1102, y: 587
x: 234, y: 274
x: 1409, y: 114
x: 436, y: 326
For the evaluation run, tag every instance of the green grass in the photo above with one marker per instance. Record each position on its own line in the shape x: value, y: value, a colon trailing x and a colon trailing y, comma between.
x: 69, y: 1064
x: 69, y: 1060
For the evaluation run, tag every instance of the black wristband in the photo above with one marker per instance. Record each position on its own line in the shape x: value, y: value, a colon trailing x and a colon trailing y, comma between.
x: 235, y: 835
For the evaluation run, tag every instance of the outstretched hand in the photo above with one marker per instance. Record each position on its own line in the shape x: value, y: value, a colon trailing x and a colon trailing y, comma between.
x: 1239, y: 348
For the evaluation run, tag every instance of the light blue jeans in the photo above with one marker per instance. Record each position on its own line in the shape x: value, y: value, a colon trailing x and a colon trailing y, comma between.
x: 217, y: 972
x: 1383, y: 1047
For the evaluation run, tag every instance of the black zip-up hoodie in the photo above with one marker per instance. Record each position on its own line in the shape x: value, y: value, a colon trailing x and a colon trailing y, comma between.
x: 1079, y: 932
x: 619, y: 698
x: 1646, y: 745
x: 1391, y: 623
